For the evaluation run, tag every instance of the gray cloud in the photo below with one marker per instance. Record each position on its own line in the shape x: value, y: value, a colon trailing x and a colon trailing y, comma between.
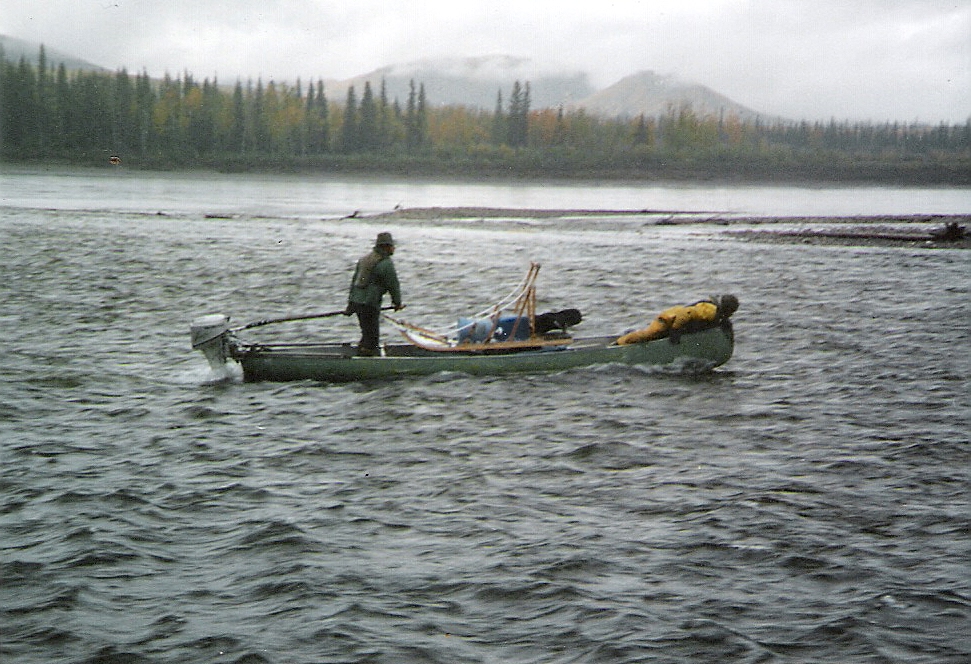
x: 816, y: 59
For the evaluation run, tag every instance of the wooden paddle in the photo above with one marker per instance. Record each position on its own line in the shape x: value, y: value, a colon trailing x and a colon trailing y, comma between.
x: 286, y: 319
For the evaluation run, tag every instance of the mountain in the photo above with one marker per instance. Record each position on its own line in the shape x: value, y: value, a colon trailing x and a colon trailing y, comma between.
x: 14, y: 49
x: 472, y: 82
x: 475, y: 82
x: 653, y: 95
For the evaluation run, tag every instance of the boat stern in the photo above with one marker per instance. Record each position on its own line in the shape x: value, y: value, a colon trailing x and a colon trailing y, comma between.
x: 210, y: 336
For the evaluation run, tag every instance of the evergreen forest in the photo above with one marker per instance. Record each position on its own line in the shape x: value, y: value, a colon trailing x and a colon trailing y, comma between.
x: 51, y: 115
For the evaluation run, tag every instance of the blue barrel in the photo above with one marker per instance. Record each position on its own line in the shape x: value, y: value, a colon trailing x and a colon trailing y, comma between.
x: 477, y: 331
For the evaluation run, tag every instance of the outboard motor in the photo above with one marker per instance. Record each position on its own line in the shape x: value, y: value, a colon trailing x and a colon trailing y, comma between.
x: 209, y: 335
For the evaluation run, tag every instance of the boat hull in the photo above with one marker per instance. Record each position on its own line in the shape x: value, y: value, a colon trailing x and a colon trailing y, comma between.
x: 696, y: 351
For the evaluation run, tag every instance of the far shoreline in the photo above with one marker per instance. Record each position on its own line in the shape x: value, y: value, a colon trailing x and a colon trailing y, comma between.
x: 946, y: 231
x: 711, y: 172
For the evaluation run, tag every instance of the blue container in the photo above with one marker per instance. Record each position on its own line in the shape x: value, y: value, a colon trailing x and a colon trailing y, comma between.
x: 506, y: 324
x: 477, y: 331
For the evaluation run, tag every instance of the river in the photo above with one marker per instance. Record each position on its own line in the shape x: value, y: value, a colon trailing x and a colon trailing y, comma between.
x: 807, y: 502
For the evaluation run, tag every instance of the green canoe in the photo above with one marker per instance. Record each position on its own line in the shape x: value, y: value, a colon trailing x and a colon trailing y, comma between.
x: 337, y: 362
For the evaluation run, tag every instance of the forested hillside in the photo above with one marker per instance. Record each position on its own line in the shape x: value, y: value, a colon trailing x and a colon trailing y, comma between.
x: 50, y: 114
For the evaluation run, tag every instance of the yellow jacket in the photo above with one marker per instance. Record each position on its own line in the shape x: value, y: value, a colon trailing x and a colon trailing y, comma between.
x: 673, y: 319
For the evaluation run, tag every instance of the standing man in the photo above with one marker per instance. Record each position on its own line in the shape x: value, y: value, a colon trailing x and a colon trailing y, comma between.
x: 373, y: 277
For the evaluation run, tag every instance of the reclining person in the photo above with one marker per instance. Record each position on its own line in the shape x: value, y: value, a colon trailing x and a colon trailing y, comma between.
x: 678, y: 320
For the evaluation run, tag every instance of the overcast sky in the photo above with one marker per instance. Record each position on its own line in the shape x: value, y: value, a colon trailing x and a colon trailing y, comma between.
x: 803, y: 59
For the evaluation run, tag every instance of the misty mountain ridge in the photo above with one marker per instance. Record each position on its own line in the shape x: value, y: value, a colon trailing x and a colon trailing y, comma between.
x: 473, y: 82
x: 476, y: 82
x: 483, y: 67
x: 650, y: 94
x: 14, y: 49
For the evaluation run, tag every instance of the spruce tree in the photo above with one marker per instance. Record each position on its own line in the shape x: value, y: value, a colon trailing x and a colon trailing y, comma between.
x: 368, y: 124
x: 144, y: 104
x: 43, y: 104
x: 384, y: 121
x: 421, y: 118
x: 517, y: 129
x: 498, y: 122
x: 61, y: 111
x: 323, y: 118
x: 349, y: 128
x: 237, y: 130
x: 411, y: 140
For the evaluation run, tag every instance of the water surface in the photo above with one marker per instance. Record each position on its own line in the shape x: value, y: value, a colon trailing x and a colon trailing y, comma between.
x: 806, y: 502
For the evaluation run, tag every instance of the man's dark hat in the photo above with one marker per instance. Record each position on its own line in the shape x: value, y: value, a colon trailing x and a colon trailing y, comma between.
x: 384, y: 239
